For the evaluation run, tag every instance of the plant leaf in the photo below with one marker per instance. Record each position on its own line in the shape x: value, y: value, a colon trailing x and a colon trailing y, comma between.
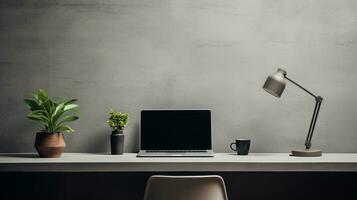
x: 32, y: 104
x: 64, y: 128
x: 47, y: 106
x: 68, y: 119
x: 42, y: 95
x: 70, y: 101
x: 57, y: 113
x: 59, y: 108
x: 41, y: 113
x: 39, y: 118
x: 70, y: 107
x: 48, y: 112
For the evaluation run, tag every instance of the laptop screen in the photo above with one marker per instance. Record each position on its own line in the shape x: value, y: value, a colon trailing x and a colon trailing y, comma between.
x: 176, y: 130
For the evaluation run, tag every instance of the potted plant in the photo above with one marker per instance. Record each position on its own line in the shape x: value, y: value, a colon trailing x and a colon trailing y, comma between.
x: 52, y: 116
x: 117, y: 121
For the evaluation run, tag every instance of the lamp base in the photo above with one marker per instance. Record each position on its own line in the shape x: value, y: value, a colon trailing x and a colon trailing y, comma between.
x: 306, y: 152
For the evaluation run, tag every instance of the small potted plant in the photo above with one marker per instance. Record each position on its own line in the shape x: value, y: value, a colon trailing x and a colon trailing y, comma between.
x: 52, y: 116
x: 117, y: 121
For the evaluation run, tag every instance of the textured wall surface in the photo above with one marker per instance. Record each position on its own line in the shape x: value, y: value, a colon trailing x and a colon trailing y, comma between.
x: 137, y: 54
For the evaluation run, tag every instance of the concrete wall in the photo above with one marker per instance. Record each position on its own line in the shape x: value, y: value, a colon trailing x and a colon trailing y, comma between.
x: 136, y: 54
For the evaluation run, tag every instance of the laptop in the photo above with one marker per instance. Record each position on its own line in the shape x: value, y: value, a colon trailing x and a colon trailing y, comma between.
x: 169, y: 133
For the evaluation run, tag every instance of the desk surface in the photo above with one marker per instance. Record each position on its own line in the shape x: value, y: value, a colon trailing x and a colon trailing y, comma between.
x: 90, y: 162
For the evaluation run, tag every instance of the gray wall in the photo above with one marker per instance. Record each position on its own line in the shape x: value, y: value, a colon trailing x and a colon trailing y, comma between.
x: 136, y: 54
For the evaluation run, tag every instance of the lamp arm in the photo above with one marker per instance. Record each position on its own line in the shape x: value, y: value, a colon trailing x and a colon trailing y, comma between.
x: 295, y: 83
x: 313, y: 122
x: 318, y: 101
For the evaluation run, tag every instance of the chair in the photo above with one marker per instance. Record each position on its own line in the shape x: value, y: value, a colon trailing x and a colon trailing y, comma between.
x: 185, y: 188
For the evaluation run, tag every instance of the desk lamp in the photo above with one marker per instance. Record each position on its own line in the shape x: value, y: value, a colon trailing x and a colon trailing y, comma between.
x: 275, y: 85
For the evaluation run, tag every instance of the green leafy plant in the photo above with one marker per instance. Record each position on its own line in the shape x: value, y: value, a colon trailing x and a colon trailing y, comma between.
x: 52, y: 115
x: 117, y: 120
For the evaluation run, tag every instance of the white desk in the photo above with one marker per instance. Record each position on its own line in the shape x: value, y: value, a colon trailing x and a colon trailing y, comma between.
x: 87, y: 162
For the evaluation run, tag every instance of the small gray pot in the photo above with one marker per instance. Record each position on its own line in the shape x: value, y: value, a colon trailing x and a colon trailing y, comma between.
x: 117, y: 142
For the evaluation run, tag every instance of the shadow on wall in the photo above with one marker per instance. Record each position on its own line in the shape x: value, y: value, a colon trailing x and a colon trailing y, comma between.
x: 257, y: 130
x: 132, y: 142
x: 22, y: 138
x: 100, y: 141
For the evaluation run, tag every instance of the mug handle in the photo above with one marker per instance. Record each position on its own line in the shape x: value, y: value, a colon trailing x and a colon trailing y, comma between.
x: 232, y: 146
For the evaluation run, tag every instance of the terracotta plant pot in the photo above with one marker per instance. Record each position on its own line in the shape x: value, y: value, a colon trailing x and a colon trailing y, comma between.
x: 50, y: 145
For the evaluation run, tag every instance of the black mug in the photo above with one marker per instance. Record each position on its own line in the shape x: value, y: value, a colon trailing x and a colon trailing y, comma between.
x: 241, y: 146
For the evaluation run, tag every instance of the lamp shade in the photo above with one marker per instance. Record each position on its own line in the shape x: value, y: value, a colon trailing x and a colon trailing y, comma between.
x: 275, y: 83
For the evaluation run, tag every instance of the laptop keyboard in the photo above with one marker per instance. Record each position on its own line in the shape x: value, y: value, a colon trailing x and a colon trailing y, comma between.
x: 174, y: 151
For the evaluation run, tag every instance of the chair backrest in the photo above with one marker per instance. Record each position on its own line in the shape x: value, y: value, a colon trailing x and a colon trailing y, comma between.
x: 185, y: 188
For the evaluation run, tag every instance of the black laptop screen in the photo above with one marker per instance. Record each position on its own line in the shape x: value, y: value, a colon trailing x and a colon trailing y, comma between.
x: 176, y: 130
